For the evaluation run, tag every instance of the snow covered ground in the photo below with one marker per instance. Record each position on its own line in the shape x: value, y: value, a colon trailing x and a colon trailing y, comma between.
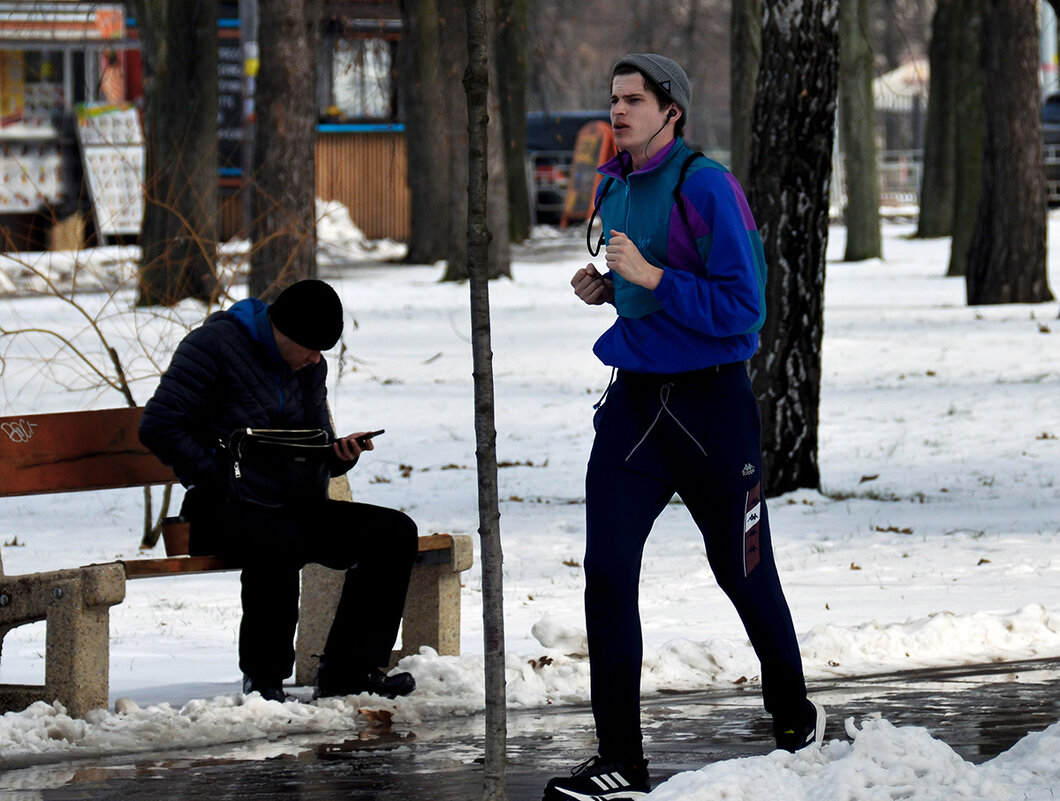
x: 935, y: 539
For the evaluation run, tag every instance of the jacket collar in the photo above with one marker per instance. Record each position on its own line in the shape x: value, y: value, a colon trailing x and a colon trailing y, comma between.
x: 621, y: 166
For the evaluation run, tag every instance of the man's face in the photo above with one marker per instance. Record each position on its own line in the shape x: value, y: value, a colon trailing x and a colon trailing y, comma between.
x: 294, y: 355
x: 635, y: 114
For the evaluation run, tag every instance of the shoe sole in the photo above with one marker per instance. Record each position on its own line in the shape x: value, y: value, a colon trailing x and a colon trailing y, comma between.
x: 818, y: 728
x: 390, y: 696
x: 624, y: 795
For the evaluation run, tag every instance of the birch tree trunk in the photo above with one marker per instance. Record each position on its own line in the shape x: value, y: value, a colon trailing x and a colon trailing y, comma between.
x: 791, y: 167
x: 476, y: 86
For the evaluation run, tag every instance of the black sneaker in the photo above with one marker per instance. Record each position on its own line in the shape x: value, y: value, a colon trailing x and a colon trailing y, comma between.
x: 269, y: 690
x: 334, y: 682
x: 794, y: 736
x: 597, y: 780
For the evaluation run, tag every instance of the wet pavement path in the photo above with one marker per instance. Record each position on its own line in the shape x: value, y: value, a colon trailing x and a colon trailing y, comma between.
x: 979, y: 711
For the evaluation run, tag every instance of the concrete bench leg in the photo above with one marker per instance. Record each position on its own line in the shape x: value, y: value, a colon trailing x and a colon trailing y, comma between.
x: 77, y: 665
x: 75, y: 605
x: 432, y: 614
x: 432, y: 611
x: 432, y: 608
x: 431, y: 617
x: 321, y: 590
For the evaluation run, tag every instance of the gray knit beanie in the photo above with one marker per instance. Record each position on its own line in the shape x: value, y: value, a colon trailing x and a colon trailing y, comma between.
x: 666, y: 72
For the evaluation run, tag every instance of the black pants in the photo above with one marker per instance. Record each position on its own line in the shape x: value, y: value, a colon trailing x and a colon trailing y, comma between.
x: 696, y: 435
x: 376, y: 547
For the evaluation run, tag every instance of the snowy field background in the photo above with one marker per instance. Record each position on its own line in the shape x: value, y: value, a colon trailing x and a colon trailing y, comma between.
x: 935, y: 539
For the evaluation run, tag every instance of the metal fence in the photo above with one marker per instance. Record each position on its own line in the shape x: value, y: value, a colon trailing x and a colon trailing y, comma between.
x: 1052, y: 173
x: 900, y: 173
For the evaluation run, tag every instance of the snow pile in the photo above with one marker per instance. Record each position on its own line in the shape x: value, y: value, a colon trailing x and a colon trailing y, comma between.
x: 1031, y: 632
x: 341, y: 242
x: 882, y: 762
x: 46, y: 729
x: 43, y: 273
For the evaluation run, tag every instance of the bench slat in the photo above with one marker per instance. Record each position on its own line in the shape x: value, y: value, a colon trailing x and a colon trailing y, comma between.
x: 434, y: 549
x: 73, y: 451
x: 436, y: 542
x: 175, y: 566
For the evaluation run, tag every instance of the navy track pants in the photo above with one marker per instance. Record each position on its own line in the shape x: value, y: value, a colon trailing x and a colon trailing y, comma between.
x: 697, y: 435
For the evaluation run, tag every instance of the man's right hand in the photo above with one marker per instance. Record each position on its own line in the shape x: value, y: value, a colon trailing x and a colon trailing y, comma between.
x: 592, y: 287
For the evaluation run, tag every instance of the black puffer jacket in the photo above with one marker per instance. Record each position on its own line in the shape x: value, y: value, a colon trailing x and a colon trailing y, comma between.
x: 225, y: 375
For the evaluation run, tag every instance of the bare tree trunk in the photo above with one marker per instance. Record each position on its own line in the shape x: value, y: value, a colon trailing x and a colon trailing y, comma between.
x: 968, y: 146
x: 791, y: 162
x: 424, y: 80
x: 857, y: 132
x: 1007, y: 260
x: 178, y: 237
x: 512, y: 72
x: 476, y: 85
x: 745, y: 57
x: 454, y: 62
x: 454, y: 55
x: 284, y: 221
x: 893, y: 48
x: 937, y: 185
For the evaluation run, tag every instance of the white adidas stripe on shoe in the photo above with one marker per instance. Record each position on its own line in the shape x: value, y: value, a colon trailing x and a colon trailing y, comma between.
x: 610, y: 781
x: 597, y: 780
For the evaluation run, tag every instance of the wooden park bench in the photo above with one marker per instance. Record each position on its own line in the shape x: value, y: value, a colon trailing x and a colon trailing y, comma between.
x: 92, y: 450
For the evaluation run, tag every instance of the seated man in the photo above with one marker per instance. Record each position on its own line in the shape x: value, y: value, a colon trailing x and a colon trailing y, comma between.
x: 258, y: 366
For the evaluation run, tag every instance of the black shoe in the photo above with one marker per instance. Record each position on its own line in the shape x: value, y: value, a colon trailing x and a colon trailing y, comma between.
x: 268, y: 690
x: 596, y: 780
x: 332, y: 681
x: 808, y: 730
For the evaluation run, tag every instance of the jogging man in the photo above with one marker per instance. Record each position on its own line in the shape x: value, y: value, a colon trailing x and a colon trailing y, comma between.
x: 686, y: 275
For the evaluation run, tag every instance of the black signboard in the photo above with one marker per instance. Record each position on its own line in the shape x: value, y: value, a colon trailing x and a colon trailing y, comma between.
x: 229, y: 91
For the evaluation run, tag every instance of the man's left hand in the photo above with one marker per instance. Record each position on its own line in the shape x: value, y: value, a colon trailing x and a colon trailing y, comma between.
x: 624, y: 258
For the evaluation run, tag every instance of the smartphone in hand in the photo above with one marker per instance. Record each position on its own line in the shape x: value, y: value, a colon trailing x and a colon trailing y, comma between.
x: 361, y: 440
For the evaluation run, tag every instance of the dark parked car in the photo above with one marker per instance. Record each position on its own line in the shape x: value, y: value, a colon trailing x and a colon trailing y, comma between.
x: 549, y: 147
x: 1051, y: 146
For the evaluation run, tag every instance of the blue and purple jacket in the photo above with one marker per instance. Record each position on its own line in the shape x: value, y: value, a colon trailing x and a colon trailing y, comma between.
x: 710, y: 303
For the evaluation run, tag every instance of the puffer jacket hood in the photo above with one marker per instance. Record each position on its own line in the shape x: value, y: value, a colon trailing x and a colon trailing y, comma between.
x: 253, y: 315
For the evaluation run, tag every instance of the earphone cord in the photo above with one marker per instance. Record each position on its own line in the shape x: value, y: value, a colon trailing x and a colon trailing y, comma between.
x: 588, y: 233
x: 653, y: 136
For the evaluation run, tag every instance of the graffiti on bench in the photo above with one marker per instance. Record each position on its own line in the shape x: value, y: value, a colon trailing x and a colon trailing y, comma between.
x: 20, y: 430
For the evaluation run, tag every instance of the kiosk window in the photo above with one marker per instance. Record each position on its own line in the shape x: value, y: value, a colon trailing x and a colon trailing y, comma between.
x: 362, y: 80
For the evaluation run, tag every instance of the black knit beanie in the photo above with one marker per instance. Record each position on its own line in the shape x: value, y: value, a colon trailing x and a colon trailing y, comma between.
x: 308, y: 312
